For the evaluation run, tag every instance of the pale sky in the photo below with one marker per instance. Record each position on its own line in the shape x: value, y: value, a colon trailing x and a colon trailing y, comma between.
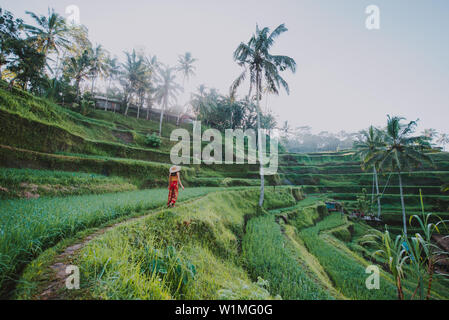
x: 348, y: 77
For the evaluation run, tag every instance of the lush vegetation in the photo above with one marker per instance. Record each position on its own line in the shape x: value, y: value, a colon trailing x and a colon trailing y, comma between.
x: 189, y: 252
x: 83, y: 166
x: 28, y: 183
x: 266, y: 256
x: 29, y: 227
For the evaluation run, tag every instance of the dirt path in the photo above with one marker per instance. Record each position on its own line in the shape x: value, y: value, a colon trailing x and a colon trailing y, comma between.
x: 54, y: 287
x: 58, y: 268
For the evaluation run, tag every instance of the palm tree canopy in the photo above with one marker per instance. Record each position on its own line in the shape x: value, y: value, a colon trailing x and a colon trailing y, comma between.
x: 134, y: 70
x: 167, y: 89
x: 256, y: 58
x: 50, y: 32
x: 186, y: 66
x: 370, y: 142
x: 112, y: 67
x: 401, y: 150
x: 98, y: 61
x: 79, y: 66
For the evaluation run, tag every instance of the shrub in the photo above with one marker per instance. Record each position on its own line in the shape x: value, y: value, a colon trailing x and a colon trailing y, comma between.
x: 153, y: 140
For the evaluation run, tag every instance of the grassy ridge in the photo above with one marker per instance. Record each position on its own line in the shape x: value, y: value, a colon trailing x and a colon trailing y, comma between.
x: 347, y: 273
x: 138, y: 171
x: 190, y: 252
x: 266, y: 256
x: 30, y: 226
x: 28, y: 183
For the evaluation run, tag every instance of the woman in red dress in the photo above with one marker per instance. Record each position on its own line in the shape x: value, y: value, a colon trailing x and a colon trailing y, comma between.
x: 173, y: 180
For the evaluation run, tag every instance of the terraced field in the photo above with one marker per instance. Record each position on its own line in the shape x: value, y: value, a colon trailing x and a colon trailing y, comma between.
x: 339, y: 176
x: 73, y: 181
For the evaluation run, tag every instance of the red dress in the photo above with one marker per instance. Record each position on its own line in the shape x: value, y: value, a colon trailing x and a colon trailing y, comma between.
x: 172, y: 190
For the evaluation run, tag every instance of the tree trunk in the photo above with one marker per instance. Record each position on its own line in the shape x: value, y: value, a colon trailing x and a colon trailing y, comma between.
x: 259, y: 135
x: 106, y: 104
x: 127, y: 107
x: 92, y: 89
x: 377, y: 190
x: 404, y: 217
x: 77, y: 90
x: 162, y: 117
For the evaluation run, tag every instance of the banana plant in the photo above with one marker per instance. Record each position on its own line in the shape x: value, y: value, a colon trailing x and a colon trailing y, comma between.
x: 395, y: 254
x: 415, y: 250
x: 430, y: 250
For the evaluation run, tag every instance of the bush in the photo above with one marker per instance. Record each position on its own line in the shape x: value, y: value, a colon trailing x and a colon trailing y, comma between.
x: 153, y: 140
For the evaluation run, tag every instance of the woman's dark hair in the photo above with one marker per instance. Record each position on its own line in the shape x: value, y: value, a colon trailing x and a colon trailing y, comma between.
x: 173, y: 173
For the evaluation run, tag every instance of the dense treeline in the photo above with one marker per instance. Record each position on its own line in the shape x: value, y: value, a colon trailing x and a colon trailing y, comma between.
x: 56, y: 60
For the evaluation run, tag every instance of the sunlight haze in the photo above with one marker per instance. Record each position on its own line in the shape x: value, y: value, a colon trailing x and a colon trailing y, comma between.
x: 348, y: 77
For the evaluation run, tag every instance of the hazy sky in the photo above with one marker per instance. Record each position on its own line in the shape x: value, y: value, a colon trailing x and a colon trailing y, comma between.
x: 348, y: 77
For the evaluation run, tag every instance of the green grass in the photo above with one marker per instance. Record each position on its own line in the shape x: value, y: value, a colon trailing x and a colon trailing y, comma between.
x: 30, y: 226
x: 190, y: 252
x: 22, y: 183
x: 43, y: 126
x: 266, y: 256
x: 346, y: 272
x: 139, y: 172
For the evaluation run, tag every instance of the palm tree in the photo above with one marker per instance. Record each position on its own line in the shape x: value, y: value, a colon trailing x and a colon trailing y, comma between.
x: 367, y: 146
x: 134, y: 70
x: 50, y: 33
x: 166, y: 91
x: 98, y: 64
x: 261, y: 65
x: 152, y: 65
x: 79, y: 67
x: 401, y: 152
x: 112, y: 71
x: 150, y: 99
x: 186, y: 66
x: 204, y: 102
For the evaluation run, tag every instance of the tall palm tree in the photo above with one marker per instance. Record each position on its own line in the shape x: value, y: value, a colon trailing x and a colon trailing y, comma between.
x: 185, y: 65
x: 401, y: 152
x: 98, y: 64
x: 78, y: 67
x: 152, y: 65
x: 50, y: 33
x: 166, y: 91
x: 150, y: 98
x: 134, y: 70
x: 257, y: 61
x: 370, y: 143
x: 112, y: 71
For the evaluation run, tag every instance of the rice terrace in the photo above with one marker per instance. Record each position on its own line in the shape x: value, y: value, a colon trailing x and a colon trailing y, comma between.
x: 269, y: 161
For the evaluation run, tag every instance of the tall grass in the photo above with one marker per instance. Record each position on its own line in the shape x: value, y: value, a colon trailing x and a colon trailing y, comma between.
x: 16, y: 183
x: 204, y: 238
x: 345, y: 271
x: 29, y: 226
x: 266, y: 256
